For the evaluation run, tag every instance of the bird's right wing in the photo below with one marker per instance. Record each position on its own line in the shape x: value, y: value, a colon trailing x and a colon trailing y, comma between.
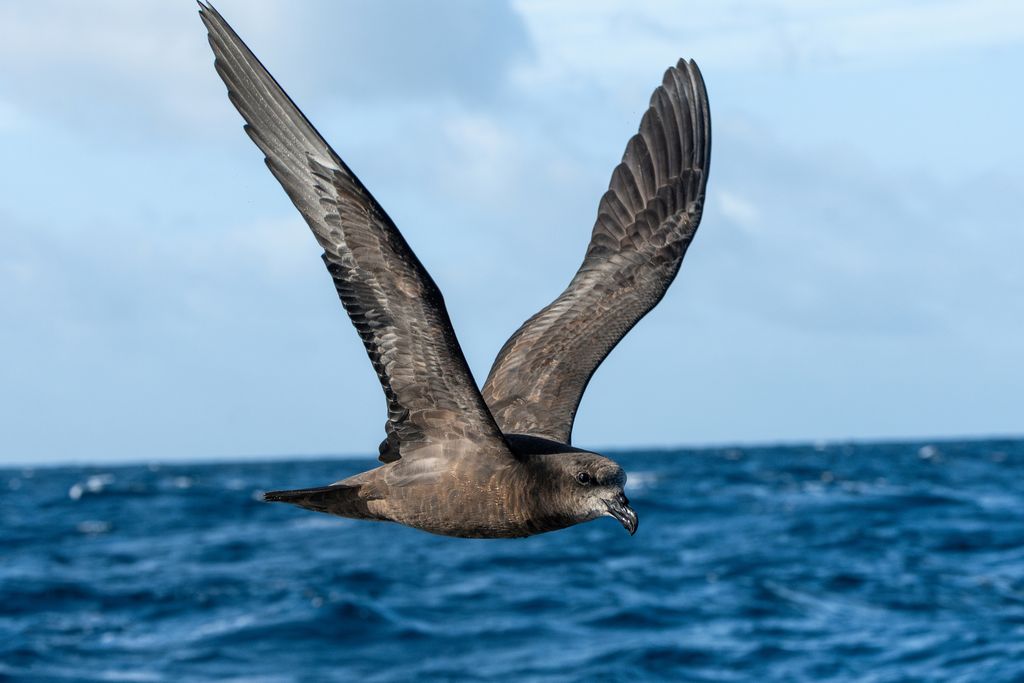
x: 645, y: 222
x: 392, y: 300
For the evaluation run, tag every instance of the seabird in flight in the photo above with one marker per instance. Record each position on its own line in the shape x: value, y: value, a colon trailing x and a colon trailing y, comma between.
x: 459, y: 461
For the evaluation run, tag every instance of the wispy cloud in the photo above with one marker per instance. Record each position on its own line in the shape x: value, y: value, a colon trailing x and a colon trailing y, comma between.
x: 585, y: 40
x: 145, y: 64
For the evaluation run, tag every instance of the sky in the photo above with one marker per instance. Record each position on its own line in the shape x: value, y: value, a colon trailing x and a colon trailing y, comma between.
x: 857, y: 274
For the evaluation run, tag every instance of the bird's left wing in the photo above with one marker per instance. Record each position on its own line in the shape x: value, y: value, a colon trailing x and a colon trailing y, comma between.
x: 645, y: 223
x: 392, y: 300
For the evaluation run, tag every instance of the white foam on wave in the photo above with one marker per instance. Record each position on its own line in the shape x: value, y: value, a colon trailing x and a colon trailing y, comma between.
x: 119, y: 675
x: 641, y: 481
x: 319, y: 522
x: 94, y: 484
x: 93, y: 527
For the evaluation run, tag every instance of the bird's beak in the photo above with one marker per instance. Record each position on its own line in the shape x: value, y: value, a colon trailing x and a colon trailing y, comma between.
x: 619, y: 508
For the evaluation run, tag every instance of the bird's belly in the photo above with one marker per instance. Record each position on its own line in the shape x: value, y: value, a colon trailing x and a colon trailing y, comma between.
x: 485, y: 515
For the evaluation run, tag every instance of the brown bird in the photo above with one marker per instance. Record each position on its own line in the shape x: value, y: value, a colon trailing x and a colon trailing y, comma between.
x: 458, y: 461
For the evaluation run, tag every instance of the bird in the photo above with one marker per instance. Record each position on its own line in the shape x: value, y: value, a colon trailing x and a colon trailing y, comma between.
x: 498, y: 461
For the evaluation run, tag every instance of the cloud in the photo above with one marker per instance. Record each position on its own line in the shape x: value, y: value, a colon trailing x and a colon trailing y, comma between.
x: 736, y: 209
x: 145, y: 65
x: 11, y: 119
x: 583, y: 40
x: 385, y: 50
x: 843, y: 246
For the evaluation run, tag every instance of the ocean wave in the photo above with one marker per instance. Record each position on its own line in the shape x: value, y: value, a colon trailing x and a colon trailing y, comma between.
x: 825, y: 562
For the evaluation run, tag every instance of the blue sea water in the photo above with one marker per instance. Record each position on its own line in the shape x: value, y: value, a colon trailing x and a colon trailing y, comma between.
x: 869, y: 562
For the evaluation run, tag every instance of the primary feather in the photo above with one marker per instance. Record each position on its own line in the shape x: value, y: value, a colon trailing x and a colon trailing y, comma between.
x: 645, y: 223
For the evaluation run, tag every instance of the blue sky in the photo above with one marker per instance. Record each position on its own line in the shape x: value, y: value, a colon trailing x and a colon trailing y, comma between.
x: 857, y: 274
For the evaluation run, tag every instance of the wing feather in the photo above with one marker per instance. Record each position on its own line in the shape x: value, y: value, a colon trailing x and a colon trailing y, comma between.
x: 645, y: 222
x: 394, y: 304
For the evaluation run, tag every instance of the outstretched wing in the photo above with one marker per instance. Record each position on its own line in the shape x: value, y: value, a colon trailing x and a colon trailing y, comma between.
x: 394, y: 304
x: 645, y: 222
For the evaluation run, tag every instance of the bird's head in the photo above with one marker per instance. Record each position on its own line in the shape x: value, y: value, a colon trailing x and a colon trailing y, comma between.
x: 592, y: 487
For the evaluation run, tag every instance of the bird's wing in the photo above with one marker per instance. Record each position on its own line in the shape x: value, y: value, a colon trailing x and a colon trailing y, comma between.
x: 645, y: 222
x: 392, y: 300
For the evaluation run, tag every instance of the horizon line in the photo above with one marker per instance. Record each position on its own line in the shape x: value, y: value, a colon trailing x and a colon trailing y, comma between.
x: 654, y: 449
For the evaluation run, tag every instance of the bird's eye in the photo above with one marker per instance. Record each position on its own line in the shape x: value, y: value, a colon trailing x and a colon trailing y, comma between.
x: 583, y: 478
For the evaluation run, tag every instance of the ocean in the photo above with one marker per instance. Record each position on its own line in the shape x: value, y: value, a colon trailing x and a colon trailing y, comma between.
x: 834, y: 562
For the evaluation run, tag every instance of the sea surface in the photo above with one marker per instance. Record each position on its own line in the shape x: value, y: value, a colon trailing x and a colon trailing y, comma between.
x: 839, y: 562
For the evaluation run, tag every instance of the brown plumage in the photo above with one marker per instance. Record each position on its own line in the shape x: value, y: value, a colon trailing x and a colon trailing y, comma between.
x: 458, y: 462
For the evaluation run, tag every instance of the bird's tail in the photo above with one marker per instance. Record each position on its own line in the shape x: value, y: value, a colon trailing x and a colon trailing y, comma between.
x: 337, y: 499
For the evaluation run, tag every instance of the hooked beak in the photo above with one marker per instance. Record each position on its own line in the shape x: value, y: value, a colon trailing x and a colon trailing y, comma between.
x: 619, y: 508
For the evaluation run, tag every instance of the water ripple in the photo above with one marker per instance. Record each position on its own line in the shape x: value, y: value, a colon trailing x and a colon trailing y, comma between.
x: 831, y: 562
